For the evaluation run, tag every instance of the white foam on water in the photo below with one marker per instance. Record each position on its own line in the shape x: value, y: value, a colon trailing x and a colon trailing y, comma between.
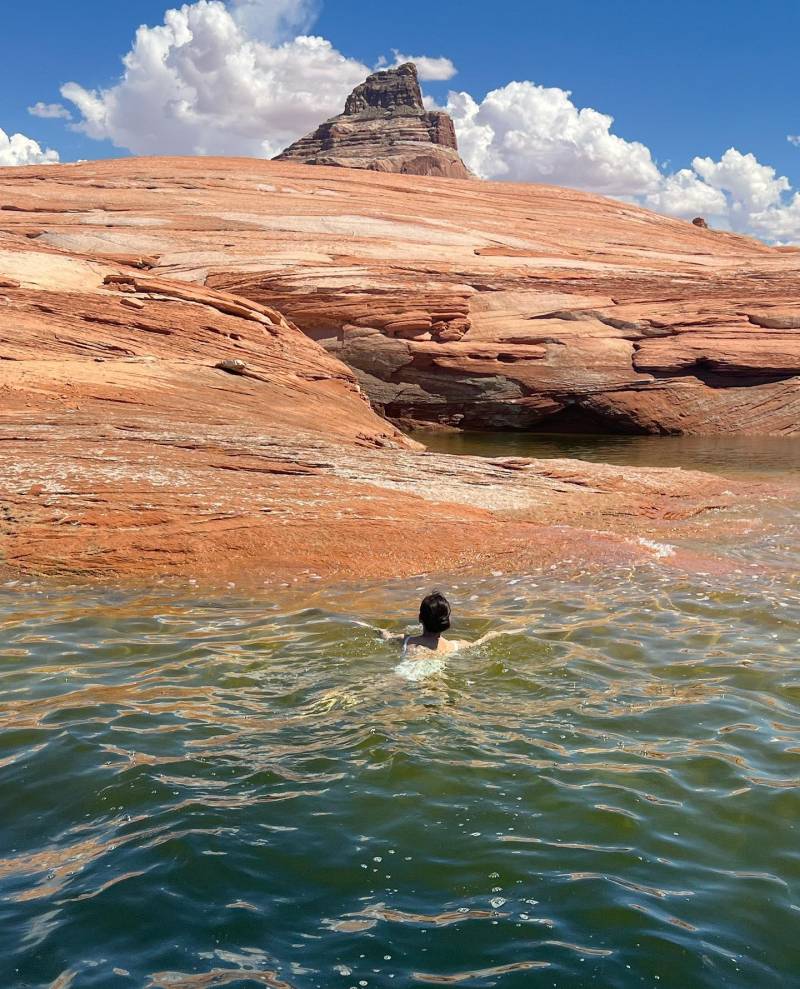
x: 419, y: 669
x: 660, y: 550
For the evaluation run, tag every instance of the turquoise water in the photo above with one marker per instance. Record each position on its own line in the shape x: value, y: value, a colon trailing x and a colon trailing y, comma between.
x: 239, y: 789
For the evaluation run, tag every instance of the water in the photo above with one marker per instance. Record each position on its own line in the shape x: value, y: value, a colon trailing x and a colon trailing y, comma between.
x: 720, y: 454
x: 240, y: 789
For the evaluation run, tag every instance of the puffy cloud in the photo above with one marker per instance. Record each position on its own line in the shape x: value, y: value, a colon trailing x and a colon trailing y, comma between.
x: 752, y: 186
x: 429, y: 69
x: 780, y: 224
x: 17, y: 149
x: 199, y: 84
x: 793, y: 139
x: 275, y: 20
x: 738, y: 191
x: 475, y: 139
x: 531, y: 133
x: 686, y: 195
x: 50, y: 111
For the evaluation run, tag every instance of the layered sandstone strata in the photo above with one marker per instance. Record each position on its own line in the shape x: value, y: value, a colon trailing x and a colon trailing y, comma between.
x: 153, y: 427
x: 385, y: 127
x: 460, y: 303
x: 152, y: 423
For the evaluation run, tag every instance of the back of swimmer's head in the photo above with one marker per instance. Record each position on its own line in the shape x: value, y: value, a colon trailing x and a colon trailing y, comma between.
x: 434, y: 613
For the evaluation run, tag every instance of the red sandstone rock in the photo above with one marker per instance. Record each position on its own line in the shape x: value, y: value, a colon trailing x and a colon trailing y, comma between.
x: 642, y: 323
x: 154, y: 424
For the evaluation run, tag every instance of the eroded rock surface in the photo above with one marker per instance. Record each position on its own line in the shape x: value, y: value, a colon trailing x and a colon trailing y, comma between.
x: 385, y: 127
x: 154, y: 421
x: 462, y: 303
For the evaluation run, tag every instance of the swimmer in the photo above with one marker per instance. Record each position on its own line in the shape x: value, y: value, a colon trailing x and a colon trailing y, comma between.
x: 434, y: 616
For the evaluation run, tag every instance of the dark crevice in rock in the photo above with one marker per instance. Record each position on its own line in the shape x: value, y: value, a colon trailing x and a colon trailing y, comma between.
x: 704, y: 372
x: 579, y: 419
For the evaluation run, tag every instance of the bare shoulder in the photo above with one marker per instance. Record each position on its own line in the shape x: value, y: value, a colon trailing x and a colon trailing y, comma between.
x: 454, y: 645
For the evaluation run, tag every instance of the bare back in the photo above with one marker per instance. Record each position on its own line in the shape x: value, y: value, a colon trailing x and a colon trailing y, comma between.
x: 424, y: 646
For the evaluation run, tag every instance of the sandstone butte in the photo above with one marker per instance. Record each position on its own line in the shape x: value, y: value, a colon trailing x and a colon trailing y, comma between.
x: 385, y: 127
x: 166, y: 407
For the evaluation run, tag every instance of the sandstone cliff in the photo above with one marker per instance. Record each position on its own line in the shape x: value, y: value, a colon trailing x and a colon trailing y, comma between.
x: 154, y: 422
x: 464, y: 303
x: 511, y: 306
x: 386, y: 128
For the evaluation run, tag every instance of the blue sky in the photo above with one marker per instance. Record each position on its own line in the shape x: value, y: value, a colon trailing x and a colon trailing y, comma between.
x: 684, y: 79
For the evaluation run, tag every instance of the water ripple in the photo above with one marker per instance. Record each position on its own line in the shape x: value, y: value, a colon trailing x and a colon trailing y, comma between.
x: 241, y: 790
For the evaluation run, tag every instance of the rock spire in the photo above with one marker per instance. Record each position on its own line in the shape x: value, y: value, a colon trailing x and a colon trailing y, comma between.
x: 386, y: 128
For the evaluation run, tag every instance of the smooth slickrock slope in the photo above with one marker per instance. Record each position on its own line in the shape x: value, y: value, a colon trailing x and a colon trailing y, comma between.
x: 466, y: 303
x: 385, y: 127
x: 125, y: 448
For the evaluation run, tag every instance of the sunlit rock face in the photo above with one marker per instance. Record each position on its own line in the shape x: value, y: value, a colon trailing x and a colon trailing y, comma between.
x: 385, y: 128
x: 472, y: 304
x: 161, y: 411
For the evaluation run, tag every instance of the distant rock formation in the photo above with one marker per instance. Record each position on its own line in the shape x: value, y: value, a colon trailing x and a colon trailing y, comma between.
x: 385, y: 128
x: 699, y: 221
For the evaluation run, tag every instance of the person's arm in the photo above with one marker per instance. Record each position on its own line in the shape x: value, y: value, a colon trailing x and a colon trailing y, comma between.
x: 386, y: 635
x: 488, y: 636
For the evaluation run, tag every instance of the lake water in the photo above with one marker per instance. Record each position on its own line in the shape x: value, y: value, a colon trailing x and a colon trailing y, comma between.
x: 240, y: 789
x: 719, y: 454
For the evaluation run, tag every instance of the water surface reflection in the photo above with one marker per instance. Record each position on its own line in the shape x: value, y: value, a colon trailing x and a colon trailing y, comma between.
x: 719, y: 454
x: 204, y: 791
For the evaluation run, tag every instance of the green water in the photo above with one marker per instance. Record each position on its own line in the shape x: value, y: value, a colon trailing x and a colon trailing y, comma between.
x: 724, y: 454
x: 241, y: 790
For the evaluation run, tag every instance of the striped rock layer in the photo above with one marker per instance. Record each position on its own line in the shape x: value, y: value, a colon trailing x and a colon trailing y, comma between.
x: 386, y: 128
x: 174, y: 397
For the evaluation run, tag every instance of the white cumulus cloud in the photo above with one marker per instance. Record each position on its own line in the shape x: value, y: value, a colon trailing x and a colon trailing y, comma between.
x: 50, y: 111
x: 217, y: 79
x: 275, y: 20
x: 778, y: 223
x: 793, y: 139
x: 754, y: 196
x: 428, y: 69
x: 530, y: 133
x: 16, y: 149
x: 752, y: 186
x: 686, y: 195
x: 199, y: 84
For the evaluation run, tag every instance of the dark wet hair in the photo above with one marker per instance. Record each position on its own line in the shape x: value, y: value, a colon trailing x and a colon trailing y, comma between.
x: 434, y: 613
